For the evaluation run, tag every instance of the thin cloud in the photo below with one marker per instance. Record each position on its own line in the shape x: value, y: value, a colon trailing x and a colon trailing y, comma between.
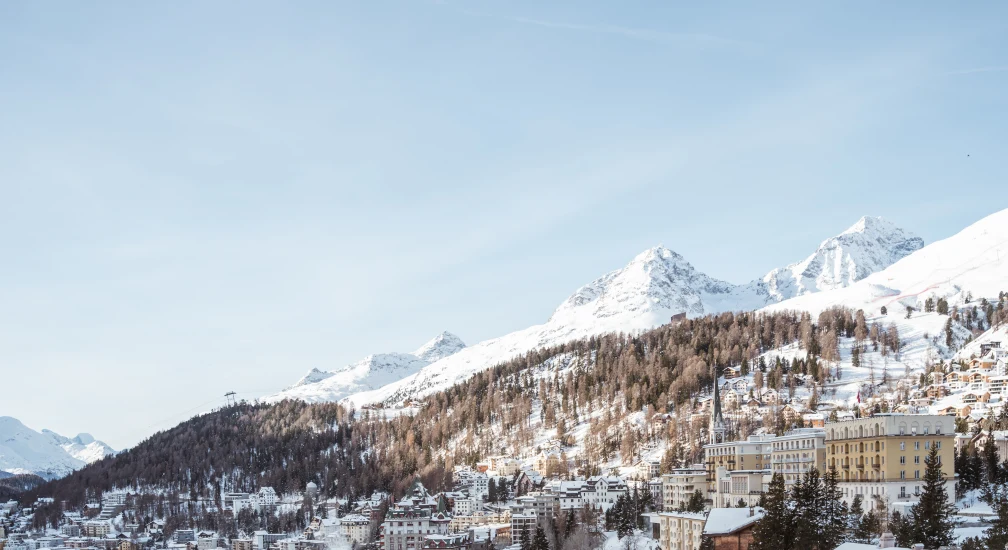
x: 976, y: 70
x: 646, y: 35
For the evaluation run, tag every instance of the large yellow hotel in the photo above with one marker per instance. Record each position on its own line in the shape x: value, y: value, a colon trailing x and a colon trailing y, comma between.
x: 882, y: 457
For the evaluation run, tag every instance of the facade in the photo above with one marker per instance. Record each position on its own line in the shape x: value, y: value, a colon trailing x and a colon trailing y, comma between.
x: 732, y: 528
x: 602, y: 492
x: 752, y: 454
x: 405, y: 529
x: 678, y: 487
x: 522, y: 524
x: 678, y: 530
x: 266, y: 497
x: 882, y: 457
x: 739, y: 485
x: 241, y: 544
x: 797, y: 452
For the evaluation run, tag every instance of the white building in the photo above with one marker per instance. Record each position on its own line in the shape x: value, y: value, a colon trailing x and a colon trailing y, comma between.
x: 266, y: 497
x: 602, y: 492
x: 678, y: 487
x: 678, y: 530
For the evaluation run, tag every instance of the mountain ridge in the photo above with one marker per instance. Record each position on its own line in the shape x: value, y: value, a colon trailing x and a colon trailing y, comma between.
x: 653, y: 287
x: 46, y: 453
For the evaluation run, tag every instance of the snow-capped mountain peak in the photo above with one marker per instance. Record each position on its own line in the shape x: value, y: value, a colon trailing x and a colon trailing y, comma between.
x: 868, y: 246
x: 47, y: 454
x: 374, y: 371
x: 655, y: 285
x: 439, y: 347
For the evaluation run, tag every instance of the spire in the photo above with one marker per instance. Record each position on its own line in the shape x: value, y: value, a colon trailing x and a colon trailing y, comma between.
x: 717, y: 427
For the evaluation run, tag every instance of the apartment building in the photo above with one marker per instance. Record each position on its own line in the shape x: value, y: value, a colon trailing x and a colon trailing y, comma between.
x: 797, y: 452
x: 752, y: 454
x: 882, y: 457
x: 678, y: 486
x: 405, y: 529
x: 739, y: 485
x: 677, y: 530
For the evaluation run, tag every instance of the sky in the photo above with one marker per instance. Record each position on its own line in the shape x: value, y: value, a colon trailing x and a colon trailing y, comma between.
x: 202, y: 197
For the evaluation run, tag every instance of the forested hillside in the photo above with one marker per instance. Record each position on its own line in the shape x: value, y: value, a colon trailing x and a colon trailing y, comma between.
x: 597, y: 381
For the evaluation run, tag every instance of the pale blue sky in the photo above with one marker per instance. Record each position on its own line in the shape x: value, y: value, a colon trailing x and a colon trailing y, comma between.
x: 211, y: 196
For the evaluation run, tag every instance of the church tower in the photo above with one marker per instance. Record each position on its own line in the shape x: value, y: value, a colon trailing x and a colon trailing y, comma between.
x: 717, y: 424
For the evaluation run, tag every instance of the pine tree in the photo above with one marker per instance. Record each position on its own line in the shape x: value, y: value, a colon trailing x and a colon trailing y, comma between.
x: 834, y: 517
x: 696, y: 502
x: 931, y: 518
x: 808, y: 510
x: 775, y: 530
x: 997, y: 535
x: 526, y: 540
x: 492, y: 491
x: 539, y: 542
x: 856, y: 514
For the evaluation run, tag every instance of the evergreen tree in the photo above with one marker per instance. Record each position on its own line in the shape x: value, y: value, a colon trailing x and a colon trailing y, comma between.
x: 931, y: 518
x: 834, y: 517
x: 997, y: 535
x: 883, y: 311
x: 526, y: 540
x: 901, y: 529
x: 775, y: 530
x: 539, y: 542
x: 696, y: 502
x: 808, y: 510
x: 856, y: 514
x: 492, y: 491
x: 992, y: 462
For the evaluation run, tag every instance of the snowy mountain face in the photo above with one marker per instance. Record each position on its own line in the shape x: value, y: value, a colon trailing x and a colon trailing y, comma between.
x: 654, y: 286
x: 870, y: 245
x: 971, y: 262
x: 47, y: 454
x: 647, y: 292
x: 372, y: 372
x: 83, y: 447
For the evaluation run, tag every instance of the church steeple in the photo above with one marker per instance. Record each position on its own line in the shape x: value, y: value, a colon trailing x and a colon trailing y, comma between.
x: 717, y: 425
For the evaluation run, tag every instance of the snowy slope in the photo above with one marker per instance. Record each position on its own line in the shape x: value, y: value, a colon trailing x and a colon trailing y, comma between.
x: 975, y: 260
x: 83, y: 447
x: 374, y: 371
x: 655, y: 285
x: 870, y: 245
x: 25, y: 451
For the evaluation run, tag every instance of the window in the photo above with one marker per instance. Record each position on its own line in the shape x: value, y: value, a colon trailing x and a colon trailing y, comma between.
x: 916, y: 445
x: 902, y: 474
x: 902, y: 460
x: 938, y: 429
x: 916, y: 474
x: 927, y: 444
x: 902, y: 445
x: 938, y: 444
x: 917, y: 460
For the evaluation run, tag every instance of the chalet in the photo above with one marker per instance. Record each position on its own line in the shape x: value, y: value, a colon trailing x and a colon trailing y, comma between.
x: 731, y: 398
x: 770, y: 396
x: 936, y: 391
x: 936, y: 377
x: 814, y: 420
x: 731, y: 528
x: 732, y: 372
x: 741, y: 385
x: 997, y: 384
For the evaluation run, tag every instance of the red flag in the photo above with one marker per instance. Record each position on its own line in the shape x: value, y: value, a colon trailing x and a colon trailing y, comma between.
x: 859, y: 397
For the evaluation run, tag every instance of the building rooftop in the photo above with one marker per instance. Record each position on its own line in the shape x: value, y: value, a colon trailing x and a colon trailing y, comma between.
x: 723, y: 521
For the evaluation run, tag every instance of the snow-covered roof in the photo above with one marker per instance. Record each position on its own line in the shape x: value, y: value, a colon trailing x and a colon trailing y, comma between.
x: 723, y: 521
x: 860, y: 546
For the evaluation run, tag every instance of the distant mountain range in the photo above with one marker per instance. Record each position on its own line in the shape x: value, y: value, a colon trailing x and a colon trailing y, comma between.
x: 370, y: 373
x: 657, y: 284
x: 46, y: 453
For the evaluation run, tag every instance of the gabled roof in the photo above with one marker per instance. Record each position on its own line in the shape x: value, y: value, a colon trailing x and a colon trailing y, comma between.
x: 724, y: 521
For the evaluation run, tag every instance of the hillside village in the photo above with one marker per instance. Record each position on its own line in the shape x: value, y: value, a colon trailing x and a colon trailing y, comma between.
x: 877, y: 446
x: 673, y: 438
